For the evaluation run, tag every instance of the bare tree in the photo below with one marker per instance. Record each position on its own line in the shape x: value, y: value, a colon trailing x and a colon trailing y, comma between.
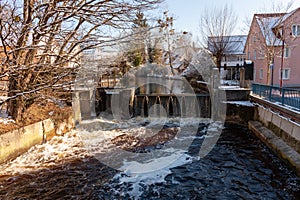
x: 166, y: 27
x: 216, y: 25
x: 279, y: 6
x: 42, y: 41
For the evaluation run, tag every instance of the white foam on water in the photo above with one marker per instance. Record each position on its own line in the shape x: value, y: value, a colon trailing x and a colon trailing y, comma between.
x: 139, y: 175
x: 57, y: 150
x: 94, y: 139
x: 149, y: 170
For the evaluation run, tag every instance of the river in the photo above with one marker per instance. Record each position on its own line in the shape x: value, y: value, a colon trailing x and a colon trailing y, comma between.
x: 83, y: 164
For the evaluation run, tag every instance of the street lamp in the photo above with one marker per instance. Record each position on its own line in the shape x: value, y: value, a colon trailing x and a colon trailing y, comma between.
x: 282, y: 55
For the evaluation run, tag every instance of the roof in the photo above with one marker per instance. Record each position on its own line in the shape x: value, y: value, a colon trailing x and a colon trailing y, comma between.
x: 233, y: 45
x: 285, y: 17
x: 266, y: 22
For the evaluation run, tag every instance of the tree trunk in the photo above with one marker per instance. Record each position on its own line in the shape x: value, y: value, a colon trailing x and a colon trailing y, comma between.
x: 19, y: 100
x: 219, y: 60
x: 17, y: 108
x: 268, y: 81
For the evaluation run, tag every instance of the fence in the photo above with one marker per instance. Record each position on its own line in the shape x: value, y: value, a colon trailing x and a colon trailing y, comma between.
x: 284, y: 96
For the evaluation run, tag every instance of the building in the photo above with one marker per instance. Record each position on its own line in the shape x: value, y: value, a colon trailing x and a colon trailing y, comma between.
x: 273, y: 44
x: 231, y: 49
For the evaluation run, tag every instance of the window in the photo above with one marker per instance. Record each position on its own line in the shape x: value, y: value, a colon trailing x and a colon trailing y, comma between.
x: 286, y: 52
x: 285, y: 74
x: 296, y: 30
x: 261, y: 54
x: 254, y: 55
x: 261, y: 73
x: 249, y: 57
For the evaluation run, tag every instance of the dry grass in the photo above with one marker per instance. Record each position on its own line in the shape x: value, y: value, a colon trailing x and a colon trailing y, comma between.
x: 37, y: 112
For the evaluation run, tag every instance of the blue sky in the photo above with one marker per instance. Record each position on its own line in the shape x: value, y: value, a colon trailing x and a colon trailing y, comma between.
x: 187, y: 12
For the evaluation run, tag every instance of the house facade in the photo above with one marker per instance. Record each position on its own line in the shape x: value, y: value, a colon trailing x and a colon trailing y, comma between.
x: 233, y: 56
x: 273, y: 44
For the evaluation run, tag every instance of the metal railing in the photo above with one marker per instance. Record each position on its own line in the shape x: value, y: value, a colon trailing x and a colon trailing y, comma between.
x: 283, y: 96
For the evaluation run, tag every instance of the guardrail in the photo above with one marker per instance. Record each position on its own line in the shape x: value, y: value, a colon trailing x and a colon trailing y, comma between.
x: 284, y: 96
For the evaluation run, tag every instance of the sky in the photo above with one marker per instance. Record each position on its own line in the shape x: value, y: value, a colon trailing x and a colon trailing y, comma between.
x: 187, y: 12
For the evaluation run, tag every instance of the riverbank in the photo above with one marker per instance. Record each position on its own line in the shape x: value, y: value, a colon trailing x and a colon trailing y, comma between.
x: 277, y: 144
x: 42, y: 122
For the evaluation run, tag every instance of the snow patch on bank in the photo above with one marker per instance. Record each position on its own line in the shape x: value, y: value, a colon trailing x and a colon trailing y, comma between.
x: 241, y: 103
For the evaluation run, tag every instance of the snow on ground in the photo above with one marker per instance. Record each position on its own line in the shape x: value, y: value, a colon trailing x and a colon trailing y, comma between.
x: 4, y: 117
x: 232, y: 87
x: 230, y: 82
x: 242, y: 103
x: 279, y: 104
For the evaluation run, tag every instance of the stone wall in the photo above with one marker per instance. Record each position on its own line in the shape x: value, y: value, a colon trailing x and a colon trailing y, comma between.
x: 278, y: 133
x: 16, y: 142
x: 284, y: 128
x: 239, y: 112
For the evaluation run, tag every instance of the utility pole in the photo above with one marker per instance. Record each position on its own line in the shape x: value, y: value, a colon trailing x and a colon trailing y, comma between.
x: 272, y: 72
x: 282, y: 55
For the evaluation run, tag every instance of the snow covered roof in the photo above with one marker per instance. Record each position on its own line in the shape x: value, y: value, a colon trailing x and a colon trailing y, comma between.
x: 266, y: 23
x: 233, y: 45
x: 285, y: 16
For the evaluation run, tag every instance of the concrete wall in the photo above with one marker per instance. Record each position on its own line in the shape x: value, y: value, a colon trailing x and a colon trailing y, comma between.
x: 83, y: 105
x: 278, y: 133
x: 239, y: 114
x: 284, y: 128
x: 281, y: 148
x: 236, y: 94
x: 16, y: 142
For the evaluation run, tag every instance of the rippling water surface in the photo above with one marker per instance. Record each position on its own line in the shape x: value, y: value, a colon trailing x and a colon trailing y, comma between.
x: 71, y: 167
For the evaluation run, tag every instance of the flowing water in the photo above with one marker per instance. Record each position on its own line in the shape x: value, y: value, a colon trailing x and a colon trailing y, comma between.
x: 83, y: 164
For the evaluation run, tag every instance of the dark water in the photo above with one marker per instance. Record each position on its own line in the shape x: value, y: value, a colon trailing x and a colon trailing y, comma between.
x: 239, y: 167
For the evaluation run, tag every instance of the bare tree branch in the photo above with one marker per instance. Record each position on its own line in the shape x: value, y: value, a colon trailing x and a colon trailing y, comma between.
x: 215, y: 26
x: 42, y: 41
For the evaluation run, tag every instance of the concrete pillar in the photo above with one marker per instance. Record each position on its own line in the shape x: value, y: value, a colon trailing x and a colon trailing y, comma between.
x: 125, y: 103
x: 85, y: 104
x: 242, y: 77
x: 93, y: 102
x: 215, y: 83
x: 215, y: 78
x: 76, y: 108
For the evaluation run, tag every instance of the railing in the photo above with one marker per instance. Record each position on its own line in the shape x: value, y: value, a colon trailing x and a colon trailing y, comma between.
x: 284, y: 96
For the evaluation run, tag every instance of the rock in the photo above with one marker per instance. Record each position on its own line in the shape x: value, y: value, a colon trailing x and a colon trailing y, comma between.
x: 134, y: 144
x: 125, y: 141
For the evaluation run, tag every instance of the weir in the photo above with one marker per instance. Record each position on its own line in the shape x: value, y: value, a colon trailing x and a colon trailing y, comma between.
x: 169, y: 105
x: 148, y: 96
